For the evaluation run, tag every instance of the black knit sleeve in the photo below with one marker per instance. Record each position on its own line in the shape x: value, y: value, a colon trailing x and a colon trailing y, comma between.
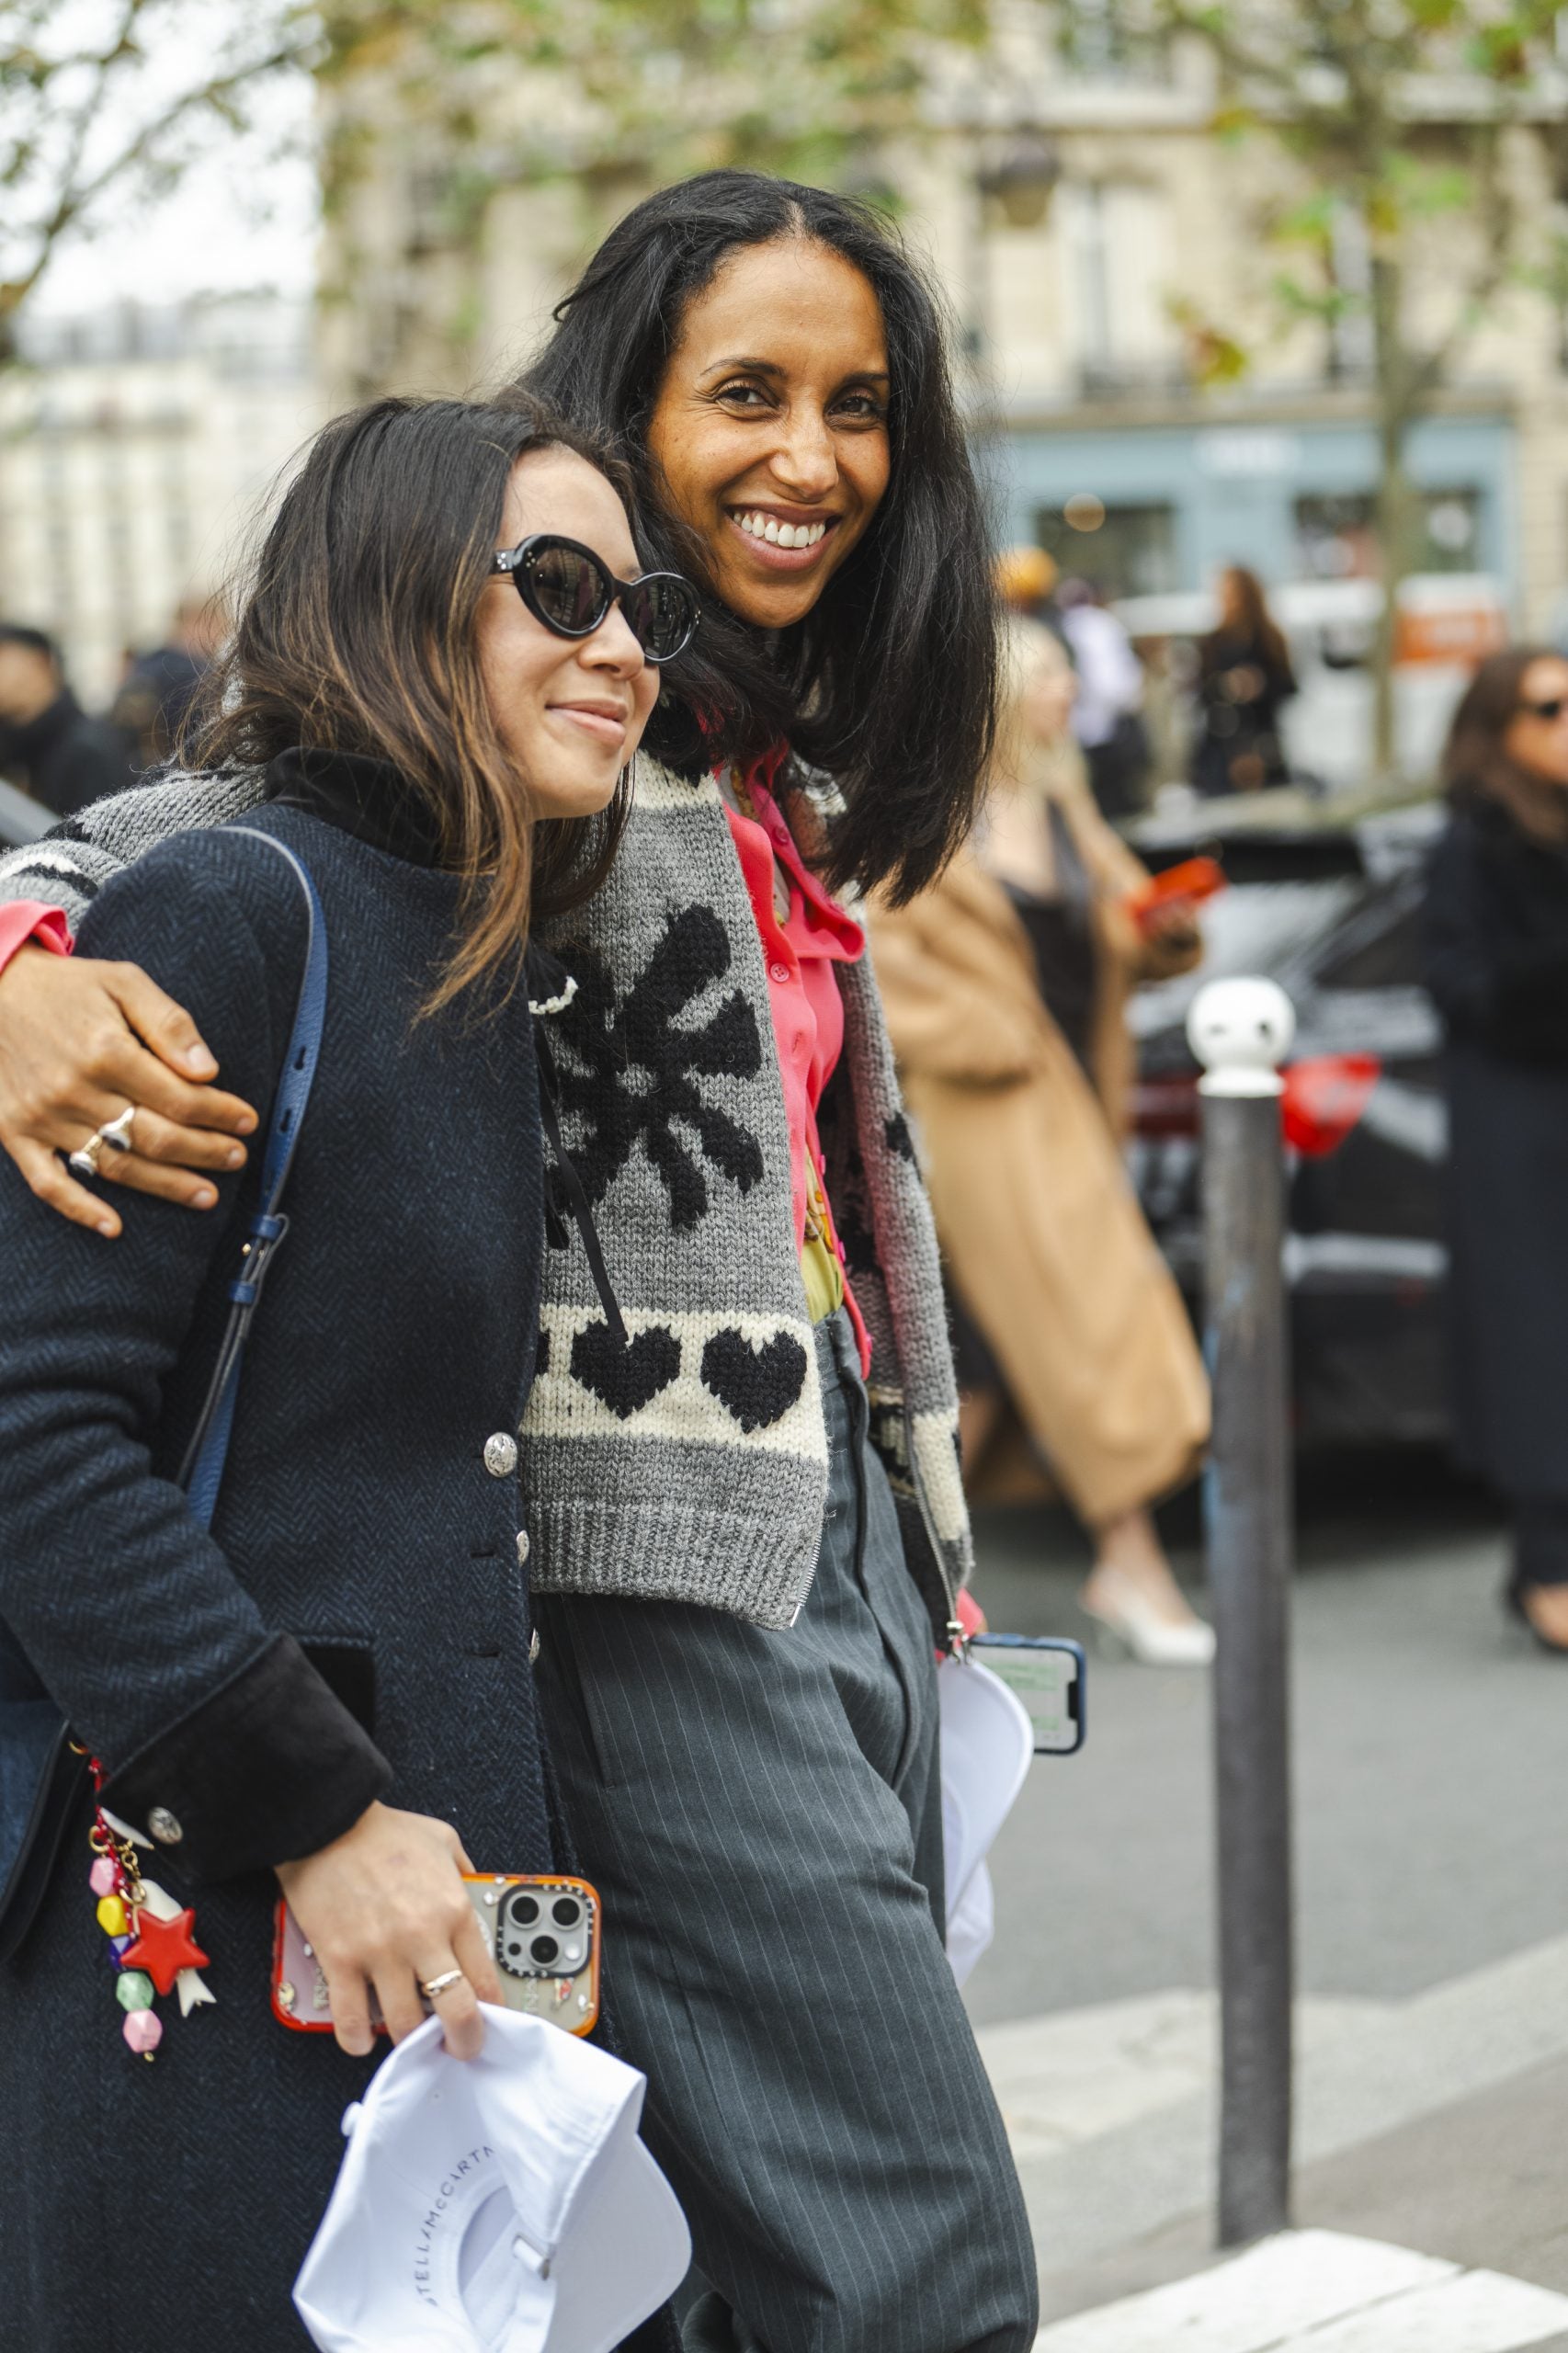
x: 127, y: 1609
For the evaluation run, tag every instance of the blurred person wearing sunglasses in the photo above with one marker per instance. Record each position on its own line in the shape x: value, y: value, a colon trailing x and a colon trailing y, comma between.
x: 747, y: 1530
x: 328, y: 1690
x: 1497, y: 964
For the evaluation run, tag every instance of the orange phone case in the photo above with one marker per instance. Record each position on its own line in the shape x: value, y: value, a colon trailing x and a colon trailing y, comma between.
x: 1195, y: 878
x: 570, y: 2001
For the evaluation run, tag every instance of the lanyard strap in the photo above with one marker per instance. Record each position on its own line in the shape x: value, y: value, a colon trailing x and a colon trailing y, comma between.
x: 201, y: 1473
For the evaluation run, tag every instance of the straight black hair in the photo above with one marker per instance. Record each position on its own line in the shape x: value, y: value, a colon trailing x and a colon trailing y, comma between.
x: 889, y: 683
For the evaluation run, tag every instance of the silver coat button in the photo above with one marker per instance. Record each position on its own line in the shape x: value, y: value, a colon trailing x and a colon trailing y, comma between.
x: 501, y: 1455
x: 165, y: 1827
x: 524, y: 1548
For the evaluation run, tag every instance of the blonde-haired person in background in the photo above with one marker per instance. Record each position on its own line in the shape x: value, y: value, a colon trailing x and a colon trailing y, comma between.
x: 1005, y: 987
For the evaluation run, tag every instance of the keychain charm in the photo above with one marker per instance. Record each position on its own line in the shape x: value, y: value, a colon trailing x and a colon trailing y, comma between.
x: 152, y: 1939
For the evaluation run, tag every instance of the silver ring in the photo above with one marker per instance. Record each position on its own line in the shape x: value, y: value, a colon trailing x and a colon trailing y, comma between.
x: 431, y: 1986
x: 85, y: 1162
x: 115, y: 1137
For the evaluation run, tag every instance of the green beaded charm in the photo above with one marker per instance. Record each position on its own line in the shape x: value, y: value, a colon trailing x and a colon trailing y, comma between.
x: 133, y: 1990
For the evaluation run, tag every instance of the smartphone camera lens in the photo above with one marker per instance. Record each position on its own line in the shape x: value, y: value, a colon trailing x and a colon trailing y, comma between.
x: 545, y: 1949
x: 524, y: 1910
x: 566, y: 1911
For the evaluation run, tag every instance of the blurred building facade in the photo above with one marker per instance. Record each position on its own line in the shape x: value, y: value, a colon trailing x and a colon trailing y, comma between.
x: 134, y: 446
x: 1092, y: 231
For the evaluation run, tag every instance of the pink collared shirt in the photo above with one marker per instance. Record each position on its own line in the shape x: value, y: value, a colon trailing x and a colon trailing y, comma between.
x: 33, y: 919
x: 798, y: 952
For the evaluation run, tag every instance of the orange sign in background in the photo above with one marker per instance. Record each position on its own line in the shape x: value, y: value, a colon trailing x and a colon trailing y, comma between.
x: 1454, y: 633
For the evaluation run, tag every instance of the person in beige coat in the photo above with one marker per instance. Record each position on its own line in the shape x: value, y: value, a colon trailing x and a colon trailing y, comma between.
x: 1005, y: 987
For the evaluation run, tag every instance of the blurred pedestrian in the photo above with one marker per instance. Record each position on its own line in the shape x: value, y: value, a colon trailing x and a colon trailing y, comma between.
x: 48, y: 743
x: 1497, y: 963
x: 1005, y: 987
x: 1245, y: 679
x: 160, y: 685
x: 1107, y: 714
x: 1027, y: 582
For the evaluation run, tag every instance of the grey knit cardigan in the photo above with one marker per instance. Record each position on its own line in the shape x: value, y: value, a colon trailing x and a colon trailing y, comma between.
x: 689, y: 1465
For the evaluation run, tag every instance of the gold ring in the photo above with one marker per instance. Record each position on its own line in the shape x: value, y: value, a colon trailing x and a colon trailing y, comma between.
x: 431, y: 1986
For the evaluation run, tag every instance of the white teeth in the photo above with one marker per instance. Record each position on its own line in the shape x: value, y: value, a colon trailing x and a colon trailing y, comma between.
x: 783, y: 535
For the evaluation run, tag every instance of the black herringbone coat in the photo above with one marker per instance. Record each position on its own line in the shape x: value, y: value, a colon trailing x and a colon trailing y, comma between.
x: 358, y: 1625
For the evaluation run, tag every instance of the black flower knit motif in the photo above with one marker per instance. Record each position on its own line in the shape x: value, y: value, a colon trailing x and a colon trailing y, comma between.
x: 631, y: 1064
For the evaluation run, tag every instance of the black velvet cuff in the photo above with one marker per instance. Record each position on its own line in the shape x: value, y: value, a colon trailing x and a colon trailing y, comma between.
x: 266, y: 1770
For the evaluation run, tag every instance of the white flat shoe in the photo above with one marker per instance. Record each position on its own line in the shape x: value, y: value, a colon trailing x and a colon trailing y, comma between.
x: 1137, y: 1628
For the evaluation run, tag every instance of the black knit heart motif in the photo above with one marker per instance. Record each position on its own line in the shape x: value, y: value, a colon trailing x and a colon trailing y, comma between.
x: 625, y: 1379
x: 758, y: 1385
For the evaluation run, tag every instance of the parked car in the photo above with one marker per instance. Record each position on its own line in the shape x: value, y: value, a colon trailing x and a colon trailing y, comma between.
x: 1329, y: 909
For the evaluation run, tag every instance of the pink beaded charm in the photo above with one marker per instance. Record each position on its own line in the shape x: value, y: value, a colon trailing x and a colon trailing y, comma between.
x: 101, y: 1878
x: 143, y: 2029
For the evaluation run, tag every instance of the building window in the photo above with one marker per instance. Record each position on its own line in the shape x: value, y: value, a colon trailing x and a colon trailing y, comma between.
x: 1335, y: 537
x: 1129, y: 551
x: 1352, y: 344
x: 1115, y: 254
x: 1107, y: 40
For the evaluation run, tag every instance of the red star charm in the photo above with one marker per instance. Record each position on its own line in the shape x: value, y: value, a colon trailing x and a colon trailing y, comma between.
x: 163, y: 1947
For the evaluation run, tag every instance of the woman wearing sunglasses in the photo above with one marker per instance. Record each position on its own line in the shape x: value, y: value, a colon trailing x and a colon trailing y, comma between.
x: 749, y: 1529
x: 1496, y: 962
x: 329, y: 1692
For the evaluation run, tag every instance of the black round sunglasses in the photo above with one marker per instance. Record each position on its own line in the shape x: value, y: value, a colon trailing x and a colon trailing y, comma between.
x: 570, y: 590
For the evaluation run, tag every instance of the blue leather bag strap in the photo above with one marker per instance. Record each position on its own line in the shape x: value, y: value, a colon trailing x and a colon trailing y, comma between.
x: 201, y: 1473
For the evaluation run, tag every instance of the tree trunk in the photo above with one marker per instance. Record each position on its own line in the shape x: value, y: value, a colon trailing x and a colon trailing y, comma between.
x: 1396, y: 503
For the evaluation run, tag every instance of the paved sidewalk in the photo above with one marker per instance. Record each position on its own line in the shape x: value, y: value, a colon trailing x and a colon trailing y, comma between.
x: 1320, y: 2291
x: 1437, y: 2123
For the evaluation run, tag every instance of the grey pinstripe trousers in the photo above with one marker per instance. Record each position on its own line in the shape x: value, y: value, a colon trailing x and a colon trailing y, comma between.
x: 761, y: 1813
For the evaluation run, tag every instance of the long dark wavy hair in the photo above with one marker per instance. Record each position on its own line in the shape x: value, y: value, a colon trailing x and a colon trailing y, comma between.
x: 357, y: 633
x: 1253, y: 623
x: 1487, y: 710
x: 1477, y: 766
x: 889, y: 683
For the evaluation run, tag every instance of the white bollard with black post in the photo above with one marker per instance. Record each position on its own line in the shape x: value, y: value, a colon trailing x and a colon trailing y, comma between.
x: 1241, y: 1032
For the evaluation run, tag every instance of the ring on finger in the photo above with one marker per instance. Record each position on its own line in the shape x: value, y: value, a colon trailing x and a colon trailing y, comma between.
x: 431, y: 1986
x: 115, y: 1137
x: 83, y: 1161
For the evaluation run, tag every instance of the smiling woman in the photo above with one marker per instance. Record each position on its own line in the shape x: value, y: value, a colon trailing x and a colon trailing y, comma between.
x: 294, y: 1690
x: 778, y: 462
x: 772, y: 362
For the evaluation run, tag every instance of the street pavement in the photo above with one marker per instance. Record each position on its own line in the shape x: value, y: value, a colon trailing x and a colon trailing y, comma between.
x: 1429, y: 1741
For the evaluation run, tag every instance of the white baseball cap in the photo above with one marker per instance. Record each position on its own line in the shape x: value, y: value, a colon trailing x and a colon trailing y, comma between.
x: 988, y: 1749
x: 501, y: 2204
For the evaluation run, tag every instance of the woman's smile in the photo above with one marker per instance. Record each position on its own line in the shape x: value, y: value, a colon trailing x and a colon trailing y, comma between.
x: 606, y: 722
x: 781, y: 539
